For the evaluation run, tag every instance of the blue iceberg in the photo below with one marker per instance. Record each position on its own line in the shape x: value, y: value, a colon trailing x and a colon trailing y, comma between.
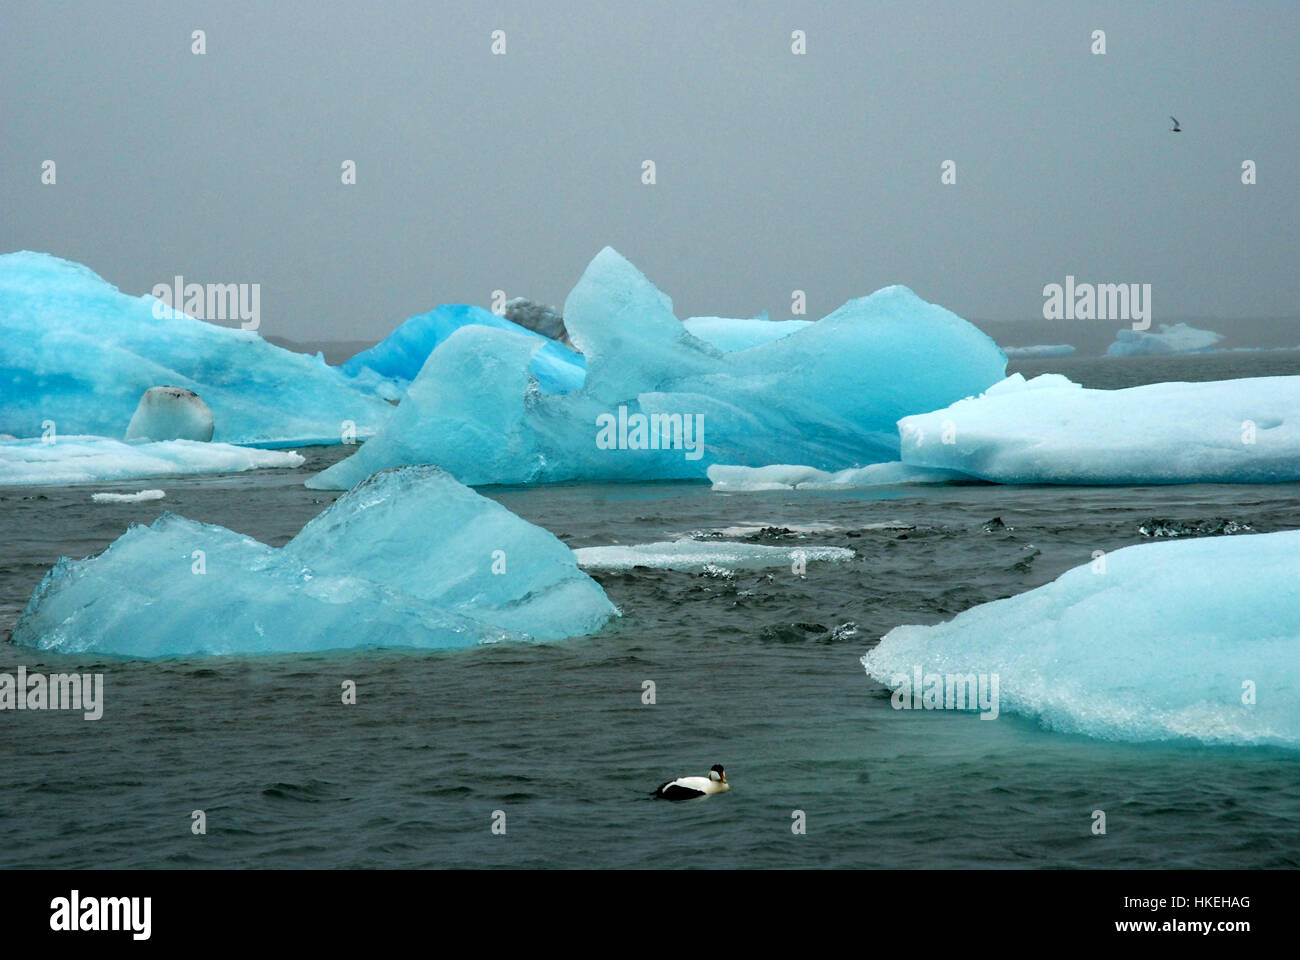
x: 661, y: 404
x: 730, y: 335
x: 1181, y: 640
x: 78, y: 354
x: 409, y: 558
x: 402, y: 354
x: 1051, y: 430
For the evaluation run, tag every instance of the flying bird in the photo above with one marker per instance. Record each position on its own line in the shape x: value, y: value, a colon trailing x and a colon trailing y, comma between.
x: 1177, y: 128
x: 689, y: 788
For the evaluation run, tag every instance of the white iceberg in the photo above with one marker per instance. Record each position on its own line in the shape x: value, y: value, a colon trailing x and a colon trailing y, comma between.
x: 1051, y: 430
x: 78, y: 354
x: 780, y: 476
x: 171, y: 413
x: 99, y: 459
x: 829, y: 396
x: 410, y: 558
x: 141, y: 496
x: 1178, y: 338
x: 690, y: 554
x: 1039, y: 351
x: 1184, y: 639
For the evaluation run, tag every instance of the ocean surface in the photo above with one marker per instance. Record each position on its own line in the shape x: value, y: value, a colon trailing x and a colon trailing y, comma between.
x: 758, y: 671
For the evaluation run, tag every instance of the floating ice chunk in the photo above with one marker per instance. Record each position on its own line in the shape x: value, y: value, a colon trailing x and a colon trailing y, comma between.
x: 1050, y: 430
x: 730, y: 335
x: 402, y: 354
x: 829, y: 396
x: 79, y: 353
x: 140, y: 497
x: 780, y: 476
x: 410, y: 558
x: 688, y: 554
x: 1178, y: 338
x: 1152, y: 642
x: 171, y: 413
x: 1039, y: 350
x: 100, y: 459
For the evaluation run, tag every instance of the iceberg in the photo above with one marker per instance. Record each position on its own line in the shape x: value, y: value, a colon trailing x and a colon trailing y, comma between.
x: 780, y: 476
x: 1039, y: 350
x: 402, y: 354
x: 409, y: 558
x: 78, y: 354
x: 690, y: 554
x: 730, y: 335
x: 79, y: 459
x: 537, y: 317
x: 171, y: 413
x: 142, y: 496
x: 660, y: 404
x: 1178, y: 640
x: 1051, y: 430
x: 1178, y: 338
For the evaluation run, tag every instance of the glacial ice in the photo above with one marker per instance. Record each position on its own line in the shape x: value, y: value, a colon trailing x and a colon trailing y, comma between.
x: 829, y: 396
x: 78, y: 353
x: 730, y: 335
x: 409, y: 558
x: 780, y: 476
x: 1039, y: 351
x: 402, y: 354
x: 1178, y: 338
x: 100, y: 459
x: 1051, y: 430
x: 171, y: 413
x: 141, y: 496
x: 690, y: 554
x: 1160, y: 641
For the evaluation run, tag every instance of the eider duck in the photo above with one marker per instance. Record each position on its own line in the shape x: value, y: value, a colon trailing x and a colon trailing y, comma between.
x: 688, y: 788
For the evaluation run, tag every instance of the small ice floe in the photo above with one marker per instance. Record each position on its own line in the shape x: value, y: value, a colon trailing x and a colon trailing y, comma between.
x: 781, y: 476
x: 140, y: 497
x: 696, y: 555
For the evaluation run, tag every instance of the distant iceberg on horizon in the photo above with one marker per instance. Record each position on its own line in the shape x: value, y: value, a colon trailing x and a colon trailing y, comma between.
x: 77, y: 353
x: 1195, y: 640
x: 1038, y: 351
x: 828, y: 394
x: 408, y: 559
x: 1176, y: 338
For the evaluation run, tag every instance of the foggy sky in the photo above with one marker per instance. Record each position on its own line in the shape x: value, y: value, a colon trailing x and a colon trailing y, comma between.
x: 775, y: 172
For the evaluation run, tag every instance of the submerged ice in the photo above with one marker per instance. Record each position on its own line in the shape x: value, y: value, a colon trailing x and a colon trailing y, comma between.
x: 78, y: 354
x: 409, y: 558
x: 1051, y: 430
x: 828, y: 395
x: 1185, y: 639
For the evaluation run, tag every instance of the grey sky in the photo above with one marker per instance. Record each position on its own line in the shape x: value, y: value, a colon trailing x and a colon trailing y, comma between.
x: 775, y: 172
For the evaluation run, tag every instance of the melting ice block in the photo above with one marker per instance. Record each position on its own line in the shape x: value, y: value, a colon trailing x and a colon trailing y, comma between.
x: 171, y: 413
x: 401, y: 354
x: 99, y: 459
x: 1178, y: 338
x: 1051, y: 430
x: 77, y: 352
x: 1157, y: 641
x: 661, y: 404
x: 410, y: 558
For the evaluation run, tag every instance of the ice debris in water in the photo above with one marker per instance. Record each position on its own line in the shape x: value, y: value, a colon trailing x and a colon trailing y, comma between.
x: 1050, y: 430
x: 409, y: 558
x: 688, y: 554
x: 401, y: 355
x: 1214, y: 527
x: 74, y: 459
x: 78, y: 353
x: 779, y: 476
x: 659, y: 403
x: 1193, y: 639
x: 142, y: 496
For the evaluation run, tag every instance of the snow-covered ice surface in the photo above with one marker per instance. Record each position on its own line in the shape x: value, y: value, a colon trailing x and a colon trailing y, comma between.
x: 714, y: 555
x: 402, y: 354
x: 78, y: 352
x: 730, y: 335
x: 99, y: 459
x: 829, y: 396
x: 1178, y: 338
x: 1051, y: 430
x: 409, y: 558
x: 1195, y: 639
x: 780, y: 476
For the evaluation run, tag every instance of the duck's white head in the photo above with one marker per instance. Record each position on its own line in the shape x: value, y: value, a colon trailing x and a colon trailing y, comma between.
x: 716, y: 774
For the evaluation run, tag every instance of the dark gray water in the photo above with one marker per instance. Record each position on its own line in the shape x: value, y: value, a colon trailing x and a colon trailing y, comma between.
x: 758, y: 671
